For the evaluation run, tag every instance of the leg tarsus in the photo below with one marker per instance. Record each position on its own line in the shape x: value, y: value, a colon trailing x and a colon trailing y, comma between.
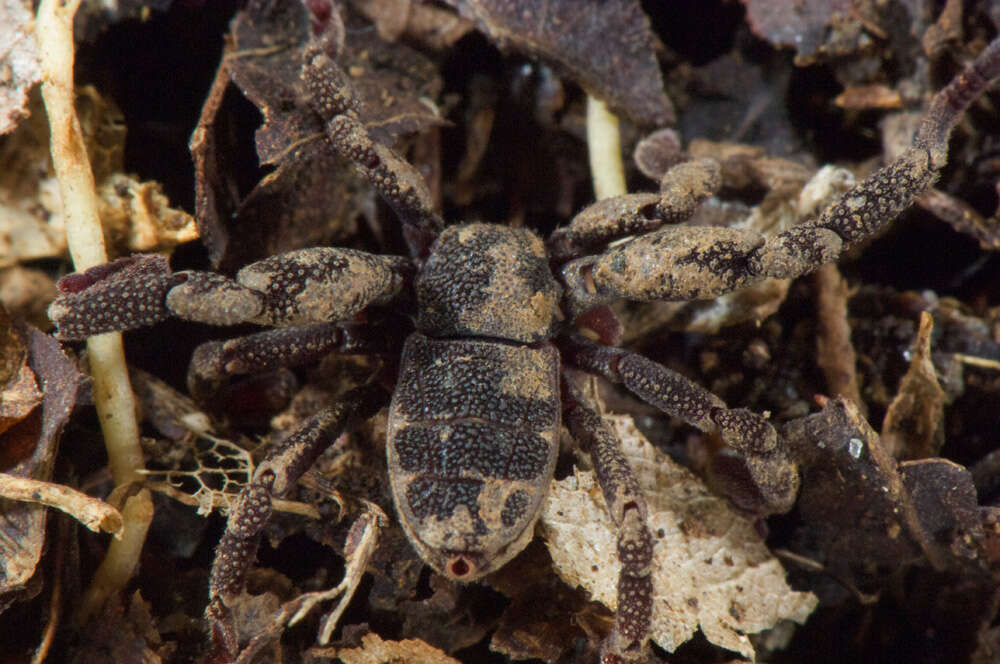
x: 627, y: 508
x: 273, y: 478
x: 124, y: 295
x: 682, y: 190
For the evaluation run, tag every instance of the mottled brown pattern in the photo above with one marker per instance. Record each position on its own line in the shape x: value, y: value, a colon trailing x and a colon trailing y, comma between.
x: 471, y: 447
x: 488, y: 281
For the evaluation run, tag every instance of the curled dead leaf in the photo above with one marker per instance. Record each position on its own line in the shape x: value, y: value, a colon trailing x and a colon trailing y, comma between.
x: 914, y: 423
x: 711, y: 567
x: 607, y: 46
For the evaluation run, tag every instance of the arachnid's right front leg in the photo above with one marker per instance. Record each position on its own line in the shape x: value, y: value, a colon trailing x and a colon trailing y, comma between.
x: 774, y: 474
x: 297, y: 288
x: 627, y: 508
x: 273, y: 478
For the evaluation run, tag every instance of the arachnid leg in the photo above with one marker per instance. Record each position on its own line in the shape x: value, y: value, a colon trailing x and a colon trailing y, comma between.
x: 628, y: 510
x: 214, y: 362
x: 303, y: 287
x: 682, y: 190
x: 273, y: 478
x: 398, y: 183
x: 775, y: 476
x: 696, y: 263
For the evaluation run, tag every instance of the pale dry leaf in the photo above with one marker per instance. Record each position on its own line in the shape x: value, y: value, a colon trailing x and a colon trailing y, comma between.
x: 19, y: 68
x: 711, y: 567
x: 374, y: 650
x: 137, y: 216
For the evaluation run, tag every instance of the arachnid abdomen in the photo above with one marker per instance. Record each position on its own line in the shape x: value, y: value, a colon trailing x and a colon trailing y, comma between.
x: 472, y: 444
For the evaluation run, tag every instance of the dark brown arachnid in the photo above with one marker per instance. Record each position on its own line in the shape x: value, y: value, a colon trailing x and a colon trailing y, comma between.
x: 475, y: 416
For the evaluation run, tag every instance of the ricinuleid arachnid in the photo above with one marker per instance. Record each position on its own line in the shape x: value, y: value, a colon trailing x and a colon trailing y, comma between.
x: 475, y: 416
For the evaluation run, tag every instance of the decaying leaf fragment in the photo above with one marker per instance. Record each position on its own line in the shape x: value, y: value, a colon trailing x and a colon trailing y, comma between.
x: 19, y: 393
x: 862, y: 508
x: 374, y: 650
x: 22, y: 525
x: 711, y: 568
x: 608, y: 46
x: 810, y: 27
x: 914, y: 424
x: 18, y: 61
x: 313, y: 197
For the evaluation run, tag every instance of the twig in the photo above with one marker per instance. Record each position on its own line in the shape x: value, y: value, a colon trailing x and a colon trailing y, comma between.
x: 279, y: 505
x: 94, y: 513
x: 122, y: 558
x: 85, y: 237
x: 604, y: 149
x: 834, y: 350
x: 55, y: 599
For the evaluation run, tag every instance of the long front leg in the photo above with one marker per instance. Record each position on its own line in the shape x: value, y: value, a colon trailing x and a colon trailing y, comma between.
x: 296, y: 288
x: 696, y: 263
x: 775, y: 476
x: 399, y: 184
x: 627, y: 508
x: 273, y: 478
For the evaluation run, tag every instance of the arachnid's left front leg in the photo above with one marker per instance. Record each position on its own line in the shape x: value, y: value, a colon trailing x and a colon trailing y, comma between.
x: 273, y: 478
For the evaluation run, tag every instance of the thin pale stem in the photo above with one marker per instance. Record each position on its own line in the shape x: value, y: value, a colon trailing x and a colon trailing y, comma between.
x: 85, y: 237
x: 604, y: 148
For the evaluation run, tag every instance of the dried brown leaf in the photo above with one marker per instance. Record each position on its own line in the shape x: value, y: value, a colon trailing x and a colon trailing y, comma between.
x: 607, y: 46
x: 397, y: 86
x: 434, y: 27
x: 947, y: 506
x: 711, y: 567
x: 913, y: 427
x: 123, y: 634
x: 22, y: 525
x: 313, y: 197
x: 809, y: 26
x: 859, y: 506
x: 18, y: 397
x: 545, y: 619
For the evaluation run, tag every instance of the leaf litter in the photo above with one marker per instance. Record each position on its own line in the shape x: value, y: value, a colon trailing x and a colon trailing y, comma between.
x: 712, y: 569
